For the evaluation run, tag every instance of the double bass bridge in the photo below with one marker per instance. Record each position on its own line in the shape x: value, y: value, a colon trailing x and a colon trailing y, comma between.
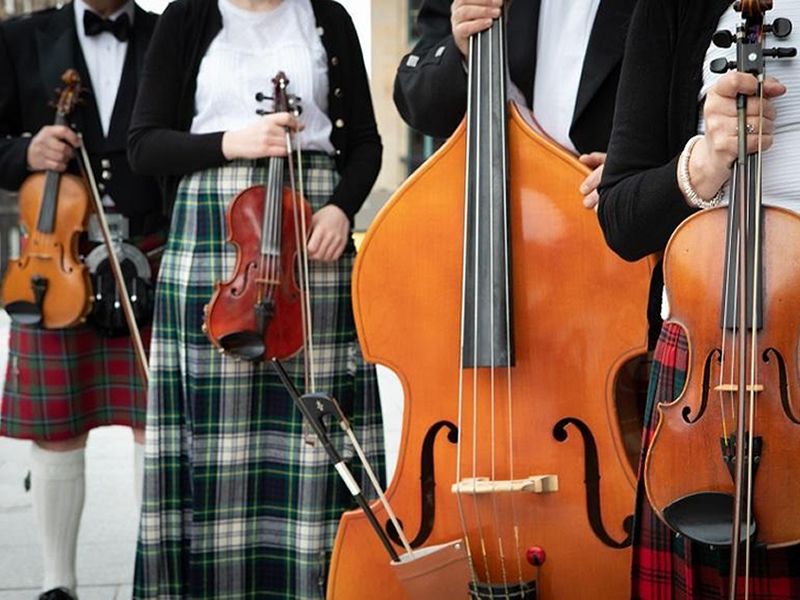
x: 479, y: 486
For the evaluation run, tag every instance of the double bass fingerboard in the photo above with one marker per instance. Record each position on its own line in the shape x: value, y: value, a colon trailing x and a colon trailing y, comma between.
x: 487, y: 339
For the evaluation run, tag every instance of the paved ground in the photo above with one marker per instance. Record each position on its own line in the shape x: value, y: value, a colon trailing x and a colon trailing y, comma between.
x: 108, y: 530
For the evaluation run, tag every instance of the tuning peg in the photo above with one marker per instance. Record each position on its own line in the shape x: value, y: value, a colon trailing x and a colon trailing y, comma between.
x: 780, y: 28
x: 260, y: 97
x: 261, y: 112
x: 722, y: 65
x: 780, y: 52
x: 723, y: 38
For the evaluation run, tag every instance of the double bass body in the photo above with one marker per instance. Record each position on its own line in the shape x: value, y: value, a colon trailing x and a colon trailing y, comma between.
x: 578, y: 317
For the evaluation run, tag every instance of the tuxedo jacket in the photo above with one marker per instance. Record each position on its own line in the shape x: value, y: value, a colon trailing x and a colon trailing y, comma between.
x: 431, y: 83
x: 35, y: 50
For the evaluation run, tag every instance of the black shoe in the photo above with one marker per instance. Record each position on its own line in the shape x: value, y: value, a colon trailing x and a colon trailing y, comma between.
x: 57, y: 594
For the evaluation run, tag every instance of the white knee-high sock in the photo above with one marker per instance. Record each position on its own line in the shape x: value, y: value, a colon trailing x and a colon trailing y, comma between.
x: 58, y: 488
x: 138, y: 473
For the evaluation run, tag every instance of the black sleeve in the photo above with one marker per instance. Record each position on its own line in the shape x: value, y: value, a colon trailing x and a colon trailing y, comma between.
x: 13, y: 148
x: 157, y: 144
x: 640, y: 202
x: 364, y: 150
x: 430, y: 88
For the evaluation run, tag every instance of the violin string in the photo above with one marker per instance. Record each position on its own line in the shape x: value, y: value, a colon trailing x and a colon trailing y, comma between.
x: 465, y: 259
x: 277, y: 222
x: 726, y: 317
x: 267, y: 244
x: 754, y: 335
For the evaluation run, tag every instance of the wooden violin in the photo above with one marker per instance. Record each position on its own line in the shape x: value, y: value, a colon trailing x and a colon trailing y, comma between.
x: 488, y: 288
x: 259, y: 312
x: 731, y: 278
x: 48, y: 285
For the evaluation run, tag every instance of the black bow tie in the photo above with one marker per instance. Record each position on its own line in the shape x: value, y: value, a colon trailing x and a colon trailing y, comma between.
x: 94, y: 24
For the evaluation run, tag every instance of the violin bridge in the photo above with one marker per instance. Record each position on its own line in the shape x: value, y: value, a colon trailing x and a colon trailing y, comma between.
x: 536, y: 484
x: 732, y: 387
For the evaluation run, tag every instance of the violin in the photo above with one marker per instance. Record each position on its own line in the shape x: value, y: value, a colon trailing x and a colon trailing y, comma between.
x: 485, y: 286
x: 48, y: 285
x: 731, y: 277
x: 259, y: 312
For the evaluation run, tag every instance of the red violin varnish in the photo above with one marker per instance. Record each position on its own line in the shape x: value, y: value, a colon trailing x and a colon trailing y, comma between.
x: 731, y: 276
x: 258, y: 312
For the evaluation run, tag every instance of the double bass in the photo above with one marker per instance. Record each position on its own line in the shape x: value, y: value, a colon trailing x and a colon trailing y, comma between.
x: 488, y: 289
x: 731, y: 278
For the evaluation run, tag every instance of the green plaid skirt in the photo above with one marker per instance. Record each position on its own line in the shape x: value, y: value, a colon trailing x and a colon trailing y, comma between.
x: 239, y: 500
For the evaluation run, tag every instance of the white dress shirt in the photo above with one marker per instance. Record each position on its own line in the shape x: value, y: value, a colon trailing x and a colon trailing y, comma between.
x: 245, y: 56
x: 105, y: 59
x: 564, y: 30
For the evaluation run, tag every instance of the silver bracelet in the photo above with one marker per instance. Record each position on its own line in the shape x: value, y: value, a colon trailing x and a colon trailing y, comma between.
x: 685, y: 184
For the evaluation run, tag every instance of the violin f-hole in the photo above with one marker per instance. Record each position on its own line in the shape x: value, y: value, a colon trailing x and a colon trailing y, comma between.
x: 687, y: 410
x: 783, y: 384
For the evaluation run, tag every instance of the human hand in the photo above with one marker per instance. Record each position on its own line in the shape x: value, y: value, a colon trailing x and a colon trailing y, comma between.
x: 714, y: 154
x: 330, y: 229
x: 52, y: 148
x: 469, y: 17
x: 264, y: 137
x: 595, y: 161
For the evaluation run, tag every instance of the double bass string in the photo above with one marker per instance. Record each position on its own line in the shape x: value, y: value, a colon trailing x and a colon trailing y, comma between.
x: 476, y: 176
x: 459, y: 446
x: 493, y: 76
x: 507, y: 282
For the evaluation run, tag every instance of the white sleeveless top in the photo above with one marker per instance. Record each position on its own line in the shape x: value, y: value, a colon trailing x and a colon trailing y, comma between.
x: 247, y: 53
x: 782, y: 161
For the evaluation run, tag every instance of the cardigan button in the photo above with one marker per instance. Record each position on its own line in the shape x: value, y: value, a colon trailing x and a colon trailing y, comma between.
x: 335, y: 61
x: 338, y: 152
x: 338, y: 92
x: 106, y: 174
x: 320, y: 31
x: 105, y: 163
x: 339, y: 123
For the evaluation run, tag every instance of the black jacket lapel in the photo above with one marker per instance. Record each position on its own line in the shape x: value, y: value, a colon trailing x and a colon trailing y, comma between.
x: 55, y: 46
x: 143, y: 24
x: 522, y: 27
x: 605, y: 49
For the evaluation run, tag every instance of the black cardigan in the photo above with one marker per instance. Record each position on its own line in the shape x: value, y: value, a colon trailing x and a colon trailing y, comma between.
x: 657, y: 112
x: 159, y: 139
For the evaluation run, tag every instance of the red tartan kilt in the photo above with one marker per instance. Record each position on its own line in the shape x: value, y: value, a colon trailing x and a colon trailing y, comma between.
x: 62, y: 383
x: 670, y: 567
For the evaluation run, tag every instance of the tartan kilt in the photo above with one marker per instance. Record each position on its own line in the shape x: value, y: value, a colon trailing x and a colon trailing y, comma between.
x: 667, y: 566
x: 239, y: 501
x: 61, y: 383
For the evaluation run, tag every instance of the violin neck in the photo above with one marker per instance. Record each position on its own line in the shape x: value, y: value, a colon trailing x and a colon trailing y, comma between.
x: 273, y: 208
x: 47, y: 212
x: 486, y: 331
x: 745, y: 191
